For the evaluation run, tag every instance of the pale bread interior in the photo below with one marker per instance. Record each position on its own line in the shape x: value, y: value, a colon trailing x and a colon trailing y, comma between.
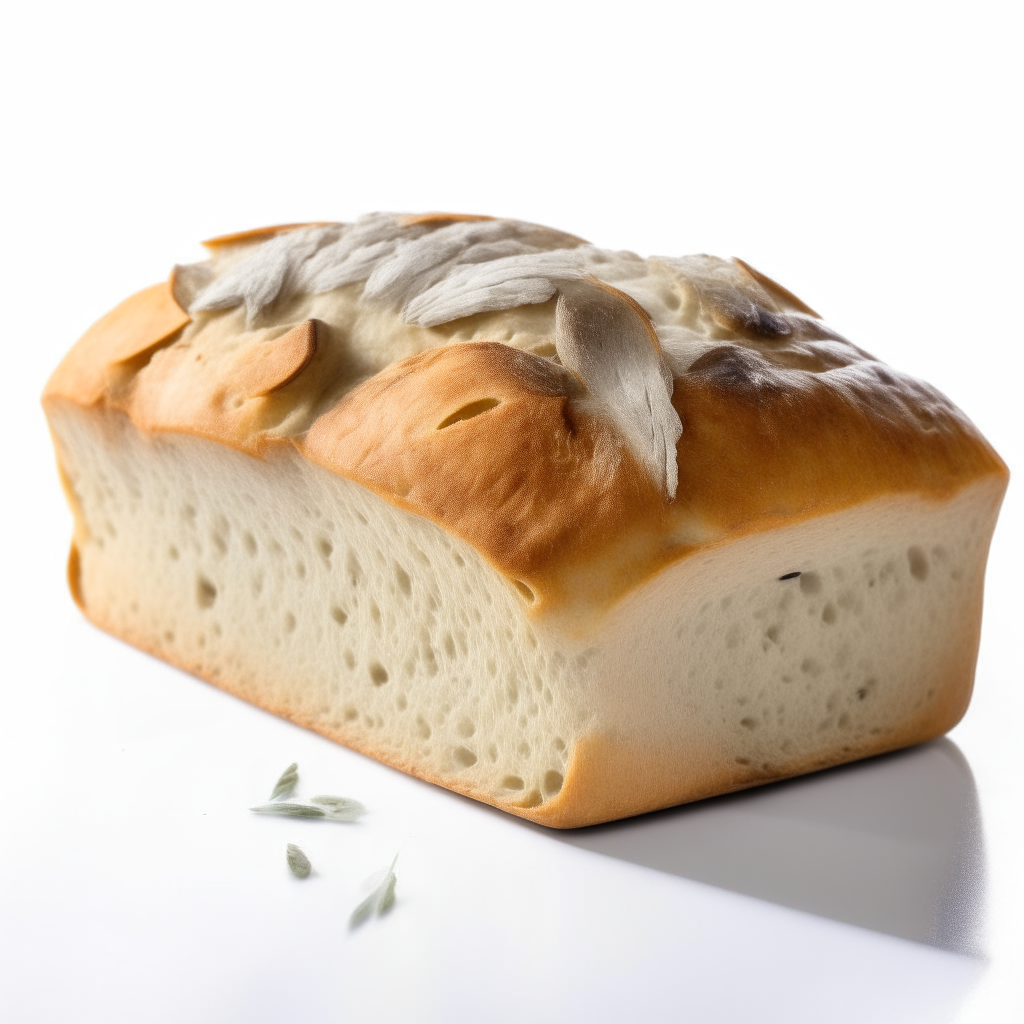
x: 307, y: 594
x: 730, y: 670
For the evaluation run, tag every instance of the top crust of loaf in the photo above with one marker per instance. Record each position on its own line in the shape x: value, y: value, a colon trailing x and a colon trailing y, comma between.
x: 515, y: 385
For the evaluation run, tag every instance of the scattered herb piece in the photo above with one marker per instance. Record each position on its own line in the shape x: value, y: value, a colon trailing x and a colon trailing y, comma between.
x: 380, y: 901
x: 789, y: 576
x: 288, y: 781
x: 290, y: 810
x: 298, y: 862
x: 341, y: 808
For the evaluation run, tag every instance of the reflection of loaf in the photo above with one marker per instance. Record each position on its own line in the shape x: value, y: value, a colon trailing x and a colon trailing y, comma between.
x: 572, y: 532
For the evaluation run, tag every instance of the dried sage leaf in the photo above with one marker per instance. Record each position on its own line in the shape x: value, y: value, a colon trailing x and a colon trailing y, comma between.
x: 290, y: 810
x: 387, y: 901
x: 288, y: 781
x: 298, y: 862
x: 362, y: 912
x: 340, y: 808
x: 380, y: 901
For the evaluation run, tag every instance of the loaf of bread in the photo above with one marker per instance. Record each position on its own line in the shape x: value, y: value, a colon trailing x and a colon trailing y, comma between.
x: 572, y: 532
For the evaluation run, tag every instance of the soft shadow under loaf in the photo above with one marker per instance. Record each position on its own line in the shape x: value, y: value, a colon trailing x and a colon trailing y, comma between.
x: 893, y: 843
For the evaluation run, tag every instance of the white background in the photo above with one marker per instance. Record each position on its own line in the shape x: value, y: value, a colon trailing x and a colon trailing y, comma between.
x: 868, y: 156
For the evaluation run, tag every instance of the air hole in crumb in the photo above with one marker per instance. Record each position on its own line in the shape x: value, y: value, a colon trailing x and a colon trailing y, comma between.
x: 559, y: 744
x: 378, y: 673
x: 353, y: 570
x: 532, y: 799
x: 467, y: 412
x: 289, y: 622
x: 464, y: 757
x: 422, y: 728
x: 524, y: 749
x: 339, y: 615
x: 375, y: 612
x: 173, y: 553
x: 523, y: 589
x: 863, y: 691
x: 788, y: 576
x: 748, y: 723
x: 829, y: 614
x: 449, y: 645
x: 401, y: 703
x: 403, y: 581
x: 492, y: 752
x: 552, y: 782
x: 325, y: 547
x: 512, y: 782
x: 249, y: 543
x: 466, y: 728
x: 918, y: 563
x: 350, y: 658
x: 206, y: 593
x: 743, y: 760
x: 810, y: 583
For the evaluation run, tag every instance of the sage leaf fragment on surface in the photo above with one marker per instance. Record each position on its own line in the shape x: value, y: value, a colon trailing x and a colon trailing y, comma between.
x: 298, y: 862
x: 340, y: 808
x: 288, y: 781
x: 290, y: 810
x: 380, y: 901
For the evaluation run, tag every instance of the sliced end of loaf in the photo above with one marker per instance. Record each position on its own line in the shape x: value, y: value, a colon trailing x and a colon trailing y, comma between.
x: 313, y: 597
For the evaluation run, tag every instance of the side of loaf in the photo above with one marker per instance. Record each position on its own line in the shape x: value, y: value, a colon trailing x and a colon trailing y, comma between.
x: 574, y: 533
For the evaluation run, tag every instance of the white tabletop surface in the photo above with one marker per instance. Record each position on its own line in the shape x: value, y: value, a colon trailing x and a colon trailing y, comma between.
x: 869, y: 159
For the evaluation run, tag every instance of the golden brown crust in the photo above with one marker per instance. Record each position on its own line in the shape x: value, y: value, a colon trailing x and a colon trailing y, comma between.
x: 142, y: 322
x: 278, y: 362
x: 228, y: 385
x: 74, y: 573
x: 814, y: 443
